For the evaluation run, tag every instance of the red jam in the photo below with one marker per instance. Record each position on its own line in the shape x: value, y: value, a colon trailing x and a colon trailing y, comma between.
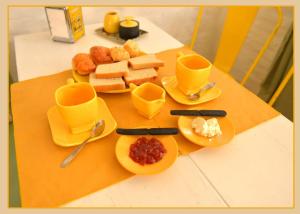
x: 147, y: 151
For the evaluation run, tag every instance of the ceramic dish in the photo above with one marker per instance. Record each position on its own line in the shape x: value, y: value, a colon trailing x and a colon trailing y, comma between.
x: 228, y: 132
x: 62, y: 135
x: 81, y: 78
x: 122, y: 153
x: 115, y: 36
x: 170, y: 84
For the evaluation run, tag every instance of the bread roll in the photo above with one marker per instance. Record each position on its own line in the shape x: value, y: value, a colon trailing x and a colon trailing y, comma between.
x: 83, y: 64
x: 119, y: 54
x: 100, y: 55
x: 132, y: 48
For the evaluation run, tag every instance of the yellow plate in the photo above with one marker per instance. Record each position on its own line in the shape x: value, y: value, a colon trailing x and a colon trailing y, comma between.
x: 80, y: 78
x: 170, y: 84
x: 122, y: 153
x: 228, y: 132
x: 62, y: 135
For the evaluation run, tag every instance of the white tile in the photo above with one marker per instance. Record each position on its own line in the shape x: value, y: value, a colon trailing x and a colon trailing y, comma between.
x: 39, y: 63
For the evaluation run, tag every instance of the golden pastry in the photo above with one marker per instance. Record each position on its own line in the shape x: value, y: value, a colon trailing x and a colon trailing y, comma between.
x: 119, y: 54
x: 132, y: 48
x: 100, y: 55
x: 83, y: 64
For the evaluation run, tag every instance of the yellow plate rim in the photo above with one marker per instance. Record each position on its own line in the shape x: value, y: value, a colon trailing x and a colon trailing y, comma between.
x: 173, y: 158
x: 165, y: 82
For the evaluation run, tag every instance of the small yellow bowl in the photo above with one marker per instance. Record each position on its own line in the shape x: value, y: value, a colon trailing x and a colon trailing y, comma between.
x: 148, y: 99
x: 111, y: 22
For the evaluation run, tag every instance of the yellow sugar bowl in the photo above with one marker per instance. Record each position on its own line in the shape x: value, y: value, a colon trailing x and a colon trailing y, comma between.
x: 78, y: 105
x: 111, y: 22
x: 148, y: 99
x: 192, y: 72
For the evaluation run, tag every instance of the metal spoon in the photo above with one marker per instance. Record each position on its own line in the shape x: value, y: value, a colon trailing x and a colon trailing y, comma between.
x: 197, y: 95
x: 97, y: 130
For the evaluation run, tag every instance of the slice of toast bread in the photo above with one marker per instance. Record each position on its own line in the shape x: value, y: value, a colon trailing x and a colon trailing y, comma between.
x: 145, y: 61
x: 112, y: 70
x: 106, y: 84
x: 140, y: 76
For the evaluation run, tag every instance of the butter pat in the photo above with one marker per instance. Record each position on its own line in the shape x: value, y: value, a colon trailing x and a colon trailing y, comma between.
x: 206, y: 128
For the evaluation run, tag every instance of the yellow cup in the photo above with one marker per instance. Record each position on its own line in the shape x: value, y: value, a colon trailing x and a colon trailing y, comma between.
x: 111, y: 22
x: 192, y: 72
x: 78, y: 105
x: 148, y: 99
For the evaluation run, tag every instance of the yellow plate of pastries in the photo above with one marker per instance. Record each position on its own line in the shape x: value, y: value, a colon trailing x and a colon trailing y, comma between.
x: 113, y: 70
x: 188, y: 127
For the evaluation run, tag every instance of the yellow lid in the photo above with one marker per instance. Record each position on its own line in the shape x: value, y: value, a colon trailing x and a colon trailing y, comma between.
x: 128, y: 22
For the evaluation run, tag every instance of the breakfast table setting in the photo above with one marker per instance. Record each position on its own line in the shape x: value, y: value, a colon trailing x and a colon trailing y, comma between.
x: 131, y: 117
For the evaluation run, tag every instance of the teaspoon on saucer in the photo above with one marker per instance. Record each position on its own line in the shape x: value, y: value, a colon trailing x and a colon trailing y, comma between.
x: 197, y: 95
x: 97, y: 130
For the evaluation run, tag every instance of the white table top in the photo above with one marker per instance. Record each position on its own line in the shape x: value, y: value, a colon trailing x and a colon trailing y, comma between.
x: 38, y: 55
x: 254, y: 170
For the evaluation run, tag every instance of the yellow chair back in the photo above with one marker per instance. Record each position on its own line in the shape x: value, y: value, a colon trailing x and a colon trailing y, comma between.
x: 237, y: 24
x: 236, y: 27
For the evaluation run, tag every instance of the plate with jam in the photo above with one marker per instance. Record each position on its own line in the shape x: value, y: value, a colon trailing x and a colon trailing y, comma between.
x: 149, y: 154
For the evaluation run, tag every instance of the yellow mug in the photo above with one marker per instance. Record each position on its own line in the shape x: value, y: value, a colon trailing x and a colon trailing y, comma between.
x: 78, y: 105
x: 192, y: 72
x: 148, y: 98
x: 111, y: 22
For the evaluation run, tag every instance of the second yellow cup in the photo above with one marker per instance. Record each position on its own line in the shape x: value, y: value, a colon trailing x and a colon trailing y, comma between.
x: 78, y: 105
x: 192, y: 72
x: 148, y: 99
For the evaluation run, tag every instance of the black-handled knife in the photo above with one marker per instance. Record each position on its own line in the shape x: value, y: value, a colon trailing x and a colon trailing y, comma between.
x: 148, y: 131
x: 215, y: 113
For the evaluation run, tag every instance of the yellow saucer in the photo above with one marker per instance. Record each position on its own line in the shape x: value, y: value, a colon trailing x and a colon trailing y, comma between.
x: 80, y: 78
x: 62, y: 135
x: 122, y: 153
x: 170, y: 84
x: 227, y: 128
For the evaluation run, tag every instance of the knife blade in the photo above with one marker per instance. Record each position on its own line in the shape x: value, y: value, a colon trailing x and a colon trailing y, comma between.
x: 215, y: 113
x: 148, y: 131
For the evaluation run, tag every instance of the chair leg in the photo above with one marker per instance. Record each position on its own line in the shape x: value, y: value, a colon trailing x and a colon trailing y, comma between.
x: 196, y: 27
x: 281, y: 86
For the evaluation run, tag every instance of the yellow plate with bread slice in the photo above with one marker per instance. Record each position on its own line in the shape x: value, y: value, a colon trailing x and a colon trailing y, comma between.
x: 85, y: 78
